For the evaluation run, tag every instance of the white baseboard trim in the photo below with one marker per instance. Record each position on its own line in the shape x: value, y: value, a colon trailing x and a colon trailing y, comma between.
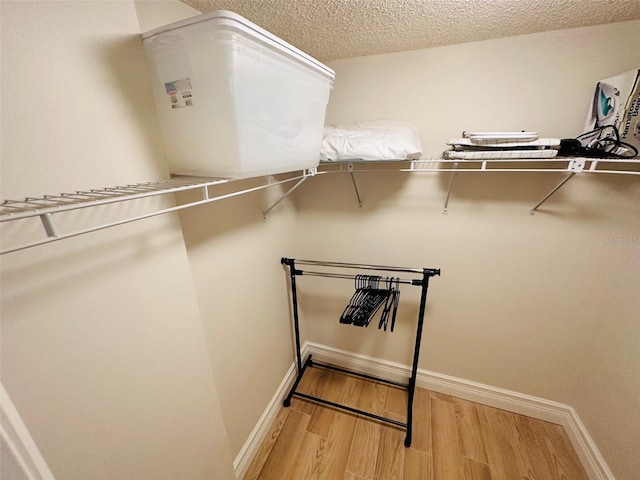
x: 586, y: 449
x: 17, y: 439
x: 259, y: 432
x: 515, y: 402
x: 437, y: 382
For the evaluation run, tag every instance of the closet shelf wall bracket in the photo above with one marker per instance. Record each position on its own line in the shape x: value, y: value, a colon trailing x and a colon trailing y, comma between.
x: 445, y: 210
x: 311, y: 172
x: 353, y: 181
x: 574, y: 167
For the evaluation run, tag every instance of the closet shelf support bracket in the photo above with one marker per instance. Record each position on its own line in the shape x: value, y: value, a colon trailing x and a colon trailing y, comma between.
x: 308, y: 172
x: 445, y: 210
x: 575, y: 166
x: 285, y: 195
x: 355, y: 185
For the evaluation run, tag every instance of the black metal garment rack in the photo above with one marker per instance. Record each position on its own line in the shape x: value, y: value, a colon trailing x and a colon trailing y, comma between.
x: 423, y: 282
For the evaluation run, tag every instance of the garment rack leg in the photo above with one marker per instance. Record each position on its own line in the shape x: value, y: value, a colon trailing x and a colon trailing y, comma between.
x: 296, y: 326
x: 287, y: 400
x: 294, y: 300
x: 416, y: 355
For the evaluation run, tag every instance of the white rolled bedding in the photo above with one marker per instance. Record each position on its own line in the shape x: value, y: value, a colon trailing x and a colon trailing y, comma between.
x: 376, y: 140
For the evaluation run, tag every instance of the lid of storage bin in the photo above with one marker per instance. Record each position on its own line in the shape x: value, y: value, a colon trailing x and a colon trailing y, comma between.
x: 233, y: 20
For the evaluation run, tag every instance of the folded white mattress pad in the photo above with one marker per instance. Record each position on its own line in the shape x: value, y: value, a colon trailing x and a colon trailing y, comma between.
x: 376, y: 140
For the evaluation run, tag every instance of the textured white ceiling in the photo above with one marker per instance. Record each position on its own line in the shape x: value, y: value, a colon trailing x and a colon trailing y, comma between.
x: 333, y: 29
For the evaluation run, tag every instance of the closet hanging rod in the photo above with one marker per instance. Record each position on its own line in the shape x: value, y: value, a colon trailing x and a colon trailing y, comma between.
x: 361, y: 266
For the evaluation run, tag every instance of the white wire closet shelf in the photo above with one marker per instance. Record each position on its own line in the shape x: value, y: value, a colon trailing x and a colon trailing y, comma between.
x: 569, y: 165
x: 47, y: 207
x: 551, y: 165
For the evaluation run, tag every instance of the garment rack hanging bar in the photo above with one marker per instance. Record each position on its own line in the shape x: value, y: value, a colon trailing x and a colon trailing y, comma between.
x: 362, y: 266
x: 308, y: 273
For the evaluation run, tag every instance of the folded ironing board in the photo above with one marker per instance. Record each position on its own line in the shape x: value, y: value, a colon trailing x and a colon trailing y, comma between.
x: 499, y: 145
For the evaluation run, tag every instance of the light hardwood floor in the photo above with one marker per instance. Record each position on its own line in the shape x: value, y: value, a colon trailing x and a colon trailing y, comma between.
x: 452, y: 439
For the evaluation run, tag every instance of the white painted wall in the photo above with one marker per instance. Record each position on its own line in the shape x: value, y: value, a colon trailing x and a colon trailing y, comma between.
x: 545, y: 305
x: 10, y: 466
x: 242, y: 293
x: 131, y: 357
x: 234, y: 255
x: 103, y: 348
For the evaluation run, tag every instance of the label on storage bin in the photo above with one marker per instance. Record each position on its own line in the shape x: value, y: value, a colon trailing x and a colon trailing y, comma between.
x: 179, y: 92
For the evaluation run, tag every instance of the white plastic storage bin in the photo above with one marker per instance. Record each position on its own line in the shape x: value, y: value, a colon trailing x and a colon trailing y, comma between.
x: 234, y: 100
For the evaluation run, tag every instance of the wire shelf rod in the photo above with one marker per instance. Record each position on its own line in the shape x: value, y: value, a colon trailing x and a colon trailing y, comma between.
x: 101, y: 192
x: 128, y: 190
x: 8, y: 205
x: 89, y: 195
x: 492, y: 170
x: 43, y: 202
x: 60, y: 197
x: 25, y: 205
x: 34, y: 199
